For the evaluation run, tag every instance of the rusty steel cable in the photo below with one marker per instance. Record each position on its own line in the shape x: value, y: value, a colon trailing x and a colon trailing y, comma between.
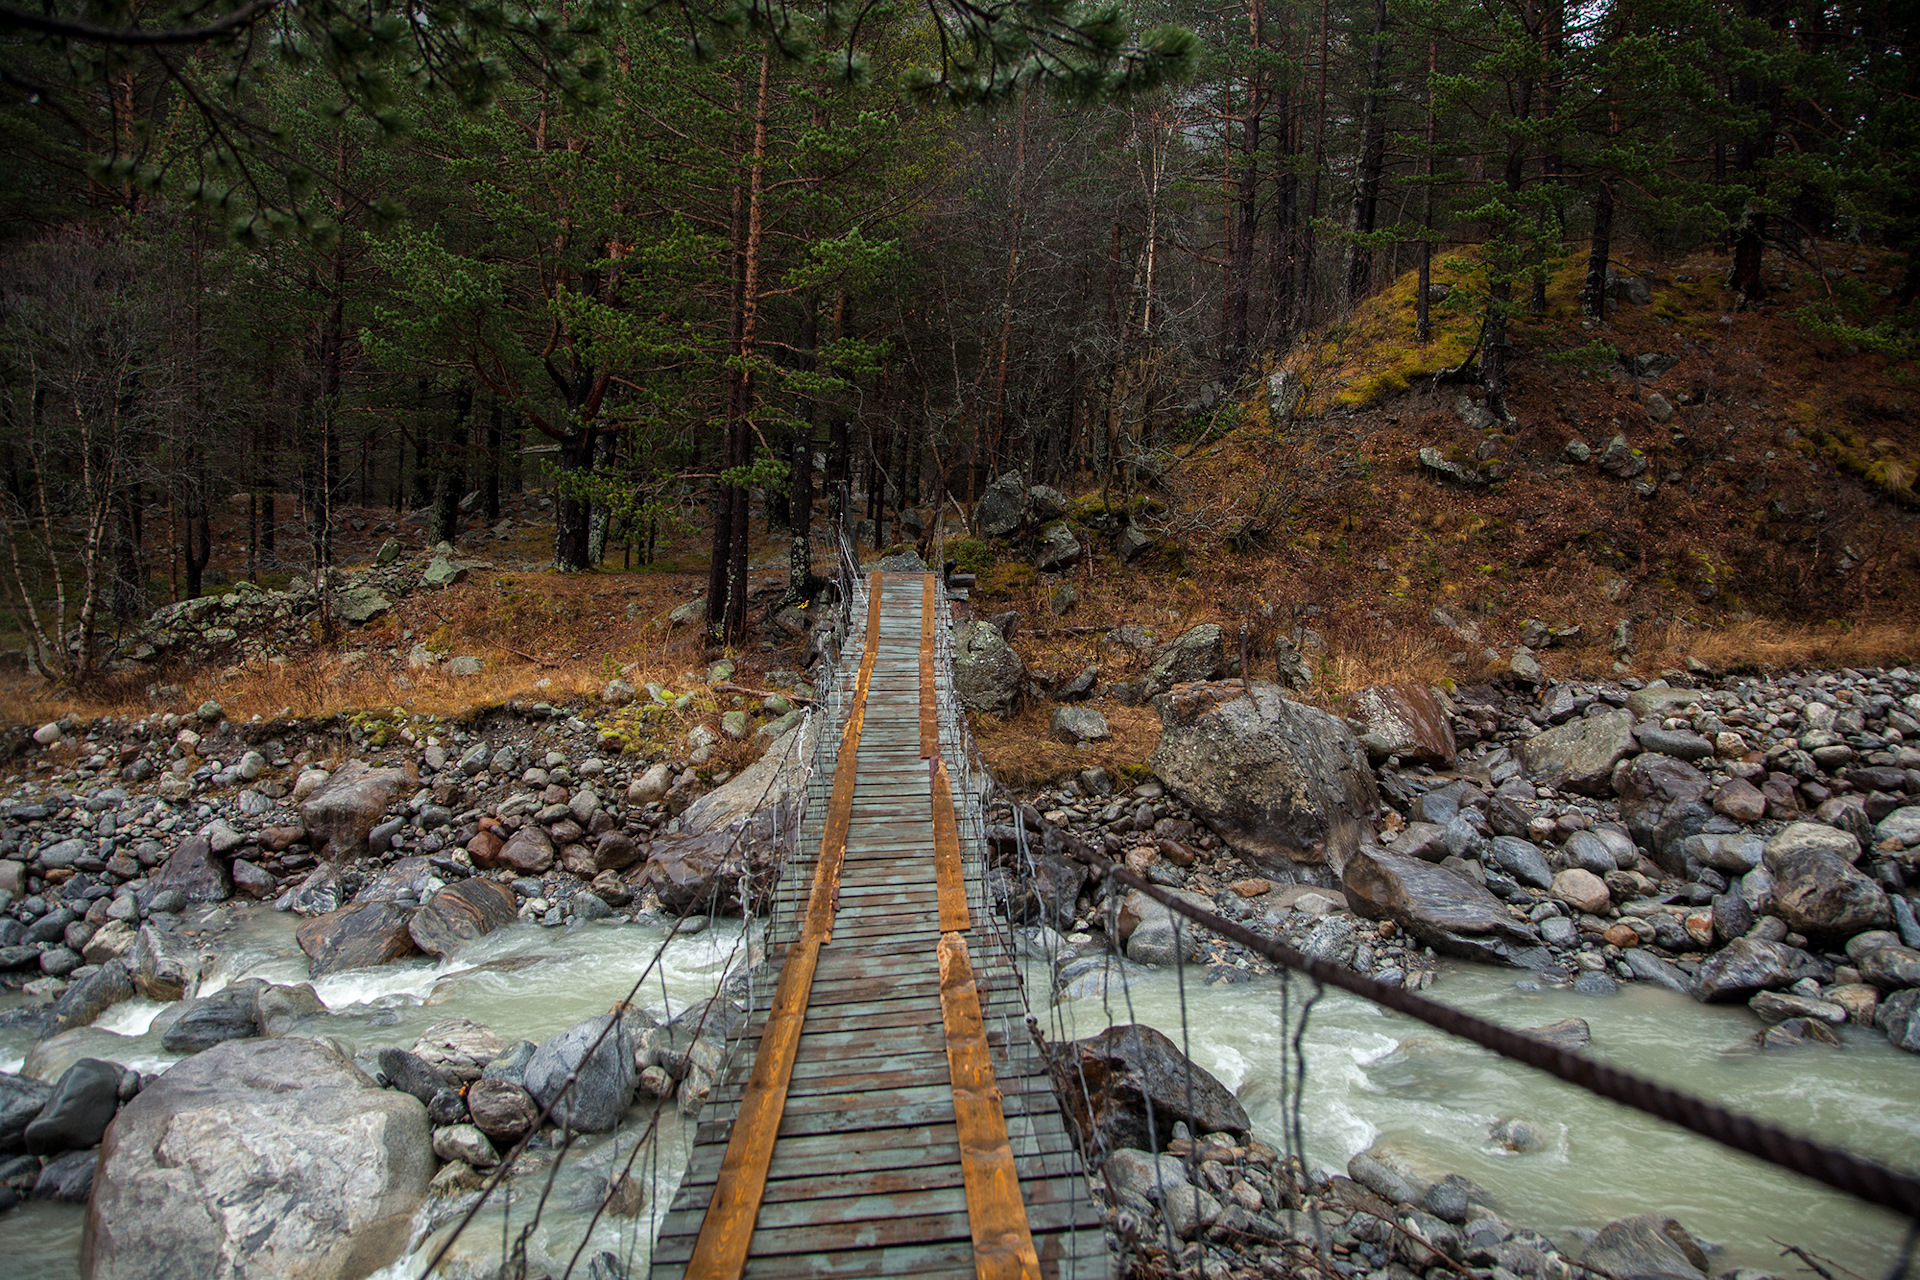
x: 1857, y: 1176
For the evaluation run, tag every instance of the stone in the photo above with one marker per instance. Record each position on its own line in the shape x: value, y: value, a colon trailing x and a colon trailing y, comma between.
x: 1581, y: 890
x: 1901, y: 826
x: 1283, y: 782
x: 357, y: 936
x: 342, y: 813
x: 442, y: 572
x: 1131, y: 543
x: 465, y: 1143
x: 360, y: 604
x: 1448, y: 912
x: 67, y: 1179
x: 1571, y: 1034
x: 1076, y: 724
x: 1622, y: 460
x: 1891, y: 968
x: 604, y: 1075
x: 1001, y: 507
x: 652, y: 785
x: 1521, y: 860
x: 1143, y: 1174
x: 502, y: 1110
x: 1646, y: 1245
x: 1581, y: 754
x: 988, y: 675
x: 1816, y: 890
x: 1899, y: 1016
x: 228, y: 1014
x: 1740, y: 800
x: 1108, y: 1082
x: 1198, y: 653
x: 527, y: 852
x: 83, y: 1103
x: 775, y: 781
x: 1742, y: 968
x: 704, y: 874
x: 1778, y: 1006
x: 268, y: 1158
x: 93, y: 995
x: 1662, y: 801
x: 278, y: 1010
x: 1404, y: 720
x: 196, y: 872
x: 22, y: 1099
x: 1057, y: 550
x: 460, y: 913
x: 164, y: 966
x: 1656, y: 701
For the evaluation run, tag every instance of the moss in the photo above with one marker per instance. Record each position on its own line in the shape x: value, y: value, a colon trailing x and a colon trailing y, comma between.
x: 970, y: 555
x: 1008, y: 579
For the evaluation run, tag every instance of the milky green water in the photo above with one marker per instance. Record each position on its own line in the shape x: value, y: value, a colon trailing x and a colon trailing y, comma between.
x: 1371, y: 1077
x: 1375, y: 1076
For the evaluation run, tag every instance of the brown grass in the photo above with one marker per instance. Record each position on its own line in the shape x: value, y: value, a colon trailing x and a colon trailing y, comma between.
x: 1766, y: 645
x: 1021, y: 754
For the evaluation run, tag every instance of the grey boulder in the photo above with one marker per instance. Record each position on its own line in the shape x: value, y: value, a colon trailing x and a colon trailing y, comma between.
x: 264, y: 1158
x: 1284, y: 782
x: 1580, y: 755
x: 987, y: 674
x: 1446, y: 911
x: 586, y: 1077
x: 343, y: 812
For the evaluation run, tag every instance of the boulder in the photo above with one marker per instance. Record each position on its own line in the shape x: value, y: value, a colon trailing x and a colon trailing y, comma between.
x: 527, y: 852
x: 603, y: 1076
x: 1198, y: 653
x: 195, y: 871
x: 358, y: 936
x: 1899, y: 1016
x: 1816, y: 890
x: 1522, y: 860
x: 987, y: 674
x: 93, y: 995
x: 1582, y: 890
x: 1647, y: 1247
x: 1404, y: 720
x: 1663, y: 801
x: 227, y: 1014
x: 460, y: 913
x: 776, y: 780
x: 1108, y: 1083
x: 165, y: 965
x: 83, y: 1102
x: 328, y: 887
x: 1580, y: 755
x: 702, y: 875
x: 1047, y: 892
x: 1058, y: 549
x: 458, y: 1048
x: 1742, y: 968
x: 1001, y: 507
x: 341, y: 814
x: 1448, y: 912
x: 265, y: 1158
x: 1078, y: 724
x: 1284, y: 782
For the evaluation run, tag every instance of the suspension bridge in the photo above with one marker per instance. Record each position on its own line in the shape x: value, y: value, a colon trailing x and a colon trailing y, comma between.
x: 888, y: 1112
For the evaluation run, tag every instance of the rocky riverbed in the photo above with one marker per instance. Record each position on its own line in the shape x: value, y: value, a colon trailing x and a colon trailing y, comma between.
x: 1732, y: 839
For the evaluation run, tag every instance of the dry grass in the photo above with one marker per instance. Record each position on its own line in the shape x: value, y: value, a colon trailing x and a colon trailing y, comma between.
x: 1021, y: 754
x: 1766, y: 645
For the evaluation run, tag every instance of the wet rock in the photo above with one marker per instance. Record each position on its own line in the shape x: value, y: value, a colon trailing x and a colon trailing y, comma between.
x: 342, y: 813
x: 83, y: 1103
x: 1285, y: 783
x: 528, y: 852
x: 22, y: 1098
x: 1404, y: 720
x: 1448, y: 912
x: 465, y: 1143
x: 1779, y: 1006
x: 1899, y: 1016
x: 604, y: 1076
x: 1745, y: 966
x: 1048, y: 893
x: 262, y: 1157
x: 93, y: 995
x: 358, y: 936
x: 1891, y: 968
x: 67, y: 1179
x: 502, y: 1110
x: 460, y: 913
x: 1571, y: 1034
x: 1580, y: 755
x: 227, y: 1014
x: 1521, y: 860
x: 1646, y: 1245
x: 196, y: 872
x: 1142, y: 1174
x: 165, y: 965
x: 279, y: 1009
x: 1108, y: 1081
x: 702, y: 874
x: 458, y: 1048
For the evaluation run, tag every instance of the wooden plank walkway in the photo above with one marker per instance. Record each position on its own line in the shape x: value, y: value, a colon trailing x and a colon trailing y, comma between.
x: 882, y: 1102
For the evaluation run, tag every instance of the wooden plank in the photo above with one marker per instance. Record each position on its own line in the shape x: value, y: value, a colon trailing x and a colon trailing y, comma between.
x: 954, y: 916
x: 929, y: 716
x: 1002, y: 1238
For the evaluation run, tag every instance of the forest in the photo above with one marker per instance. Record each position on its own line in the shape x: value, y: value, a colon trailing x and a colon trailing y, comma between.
x: 690, y: 265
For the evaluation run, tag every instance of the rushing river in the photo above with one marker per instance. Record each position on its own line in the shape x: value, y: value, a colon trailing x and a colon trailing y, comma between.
x: 1371, y: 1077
